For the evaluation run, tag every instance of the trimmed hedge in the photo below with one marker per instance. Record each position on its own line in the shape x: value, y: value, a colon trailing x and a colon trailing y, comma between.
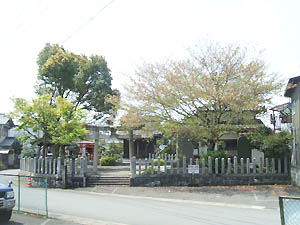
x: 108, y: 161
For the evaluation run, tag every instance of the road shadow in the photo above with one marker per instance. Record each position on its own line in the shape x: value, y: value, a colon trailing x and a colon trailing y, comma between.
x: 11, y: 222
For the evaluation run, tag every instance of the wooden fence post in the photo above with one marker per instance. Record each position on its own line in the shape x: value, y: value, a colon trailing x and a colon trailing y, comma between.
x: 242, y: 165
x: 279, y: 165
x: 146, y: 166
x: 152, y: 166
x: 261, y: 165
x: 235, y: 167
x: 42, y: 165
x: 165, y: 166
x: 228, y: 166
x: 222, y: 166
x: 46, y: 165
x: 34, y: 164
x: 273, y: 166
x: 76, y: 166
x: 184, y: 165
x: 133, y: 166
x: 248, y: 166
x: 216, y: 165
x: 59, y: 166
x: 39, y: 165
x: 171, y: 163
x: 267, y: 165
x: 50, y: 166
x: 54, y: 166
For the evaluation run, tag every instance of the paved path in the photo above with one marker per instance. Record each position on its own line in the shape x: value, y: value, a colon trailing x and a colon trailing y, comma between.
x: 29, y: 219
x: 118, y: 171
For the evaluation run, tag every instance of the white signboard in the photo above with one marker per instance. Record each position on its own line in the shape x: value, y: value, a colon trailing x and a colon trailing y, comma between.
x: 193, y: 168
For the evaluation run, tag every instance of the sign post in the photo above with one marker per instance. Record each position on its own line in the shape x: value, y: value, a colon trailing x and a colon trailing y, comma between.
x: 193, y: 169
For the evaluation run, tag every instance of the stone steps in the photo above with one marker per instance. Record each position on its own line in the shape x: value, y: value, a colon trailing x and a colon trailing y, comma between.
x: 107, y: 180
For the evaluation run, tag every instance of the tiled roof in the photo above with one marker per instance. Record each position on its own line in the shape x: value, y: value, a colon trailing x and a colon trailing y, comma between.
x: 7, y: 142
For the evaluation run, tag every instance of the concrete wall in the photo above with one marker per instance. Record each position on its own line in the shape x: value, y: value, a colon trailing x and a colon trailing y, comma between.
x: 296, y: 122
x: 295, y: 169
x: 211, y: 180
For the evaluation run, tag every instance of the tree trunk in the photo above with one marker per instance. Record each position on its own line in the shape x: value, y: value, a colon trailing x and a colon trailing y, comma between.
x: 131, y: 144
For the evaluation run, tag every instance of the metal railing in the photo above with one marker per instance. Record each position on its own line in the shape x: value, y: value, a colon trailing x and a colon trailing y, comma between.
x: 29, y: 199
x: 289, y: 210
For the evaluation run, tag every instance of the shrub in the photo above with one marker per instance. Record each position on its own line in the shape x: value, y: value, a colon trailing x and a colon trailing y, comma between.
x: 113, y: 150
x: 273, y: 145
x: 162, y: 162
x: 149, y: 170
x: 107, y: 161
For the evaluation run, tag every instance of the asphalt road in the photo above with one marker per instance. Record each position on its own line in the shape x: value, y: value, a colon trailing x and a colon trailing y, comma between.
x: 169, y: 205
x: 104, y: 208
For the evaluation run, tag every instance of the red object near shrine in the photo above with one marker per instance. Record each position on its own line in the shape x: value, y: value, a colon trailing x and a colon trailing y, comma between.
x: 87, y: 148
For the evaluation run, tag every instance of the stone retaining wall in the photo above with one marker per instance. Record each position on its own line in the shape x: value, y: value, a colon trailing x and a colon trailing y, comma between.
x: 209, y: 180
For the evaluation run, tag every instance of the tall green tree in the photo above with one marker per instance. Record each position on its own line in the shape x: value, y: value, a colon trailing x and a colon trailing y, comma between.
x: 210, y: 93
x: 46, y: 123
x: 85, y: 81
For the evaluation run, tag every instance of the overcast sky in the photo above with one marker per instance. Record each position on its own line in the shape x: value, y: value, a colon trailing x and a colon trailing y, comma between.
x: 128, y: 32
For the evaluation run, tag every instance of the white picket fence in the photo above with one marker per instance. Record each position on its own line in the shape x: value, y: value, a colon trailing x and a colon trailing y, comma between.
x: 228, y: 166
x: 50, y: 166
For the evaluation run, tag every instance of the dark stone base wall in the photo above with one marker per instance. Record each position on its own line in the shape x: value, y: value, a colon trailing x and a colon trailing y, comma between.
x: 295, y: 175
x: 210, y: 180
x: 57, y: 182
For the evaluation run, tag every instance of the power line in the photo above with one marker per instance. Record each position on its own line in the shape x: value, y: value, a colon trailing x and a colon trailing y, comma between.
x: 87, y: 22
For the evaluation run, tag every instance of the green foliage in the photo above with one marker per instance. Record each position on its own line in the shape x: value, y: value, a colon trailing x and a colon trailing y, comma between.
x: 273, y: 145
x: 68, y: 127
x: 257, y: 137
x: 162, y: 162
x: 85, y: 81
x: 114, y: 150
x: 34, y: 119
x: 45, y: 121
x: 107, y: 161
